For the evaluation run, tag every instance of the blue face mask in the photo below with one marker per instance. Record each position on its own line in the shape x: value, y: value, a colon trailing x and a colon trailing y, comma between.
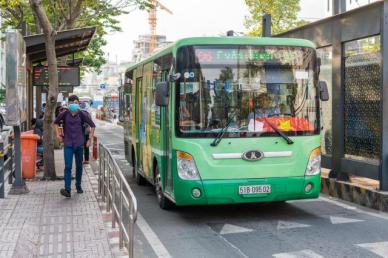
x: 73, y: 107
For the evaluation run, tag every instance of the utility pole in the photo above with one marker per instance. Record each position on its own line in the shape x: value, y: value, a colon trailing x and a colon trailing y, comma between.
x: 266, y: 25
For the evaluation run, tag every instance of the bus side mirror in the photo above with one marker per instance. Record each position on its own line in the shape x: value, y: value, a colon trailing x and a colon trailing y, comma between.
x: 161, y: 96
x: 323, y: 91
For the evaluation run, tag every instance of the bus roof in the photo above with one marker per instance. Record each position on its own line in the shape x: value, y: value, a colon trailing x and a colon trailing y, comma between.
x: 225, y: 41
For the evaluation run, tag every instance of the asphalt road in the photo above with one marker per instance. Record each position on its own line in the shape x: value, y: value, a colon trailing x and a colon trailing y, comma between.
x: 315, y: 228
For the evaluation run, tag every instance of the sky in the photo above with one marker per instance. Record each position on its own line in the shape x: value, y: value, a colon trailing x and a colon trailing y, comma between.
x: 191, y: 18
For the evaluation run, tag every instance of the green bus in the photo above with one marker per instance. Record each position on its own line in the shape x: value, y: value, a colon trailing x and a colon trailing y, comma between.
x: 222, y: 120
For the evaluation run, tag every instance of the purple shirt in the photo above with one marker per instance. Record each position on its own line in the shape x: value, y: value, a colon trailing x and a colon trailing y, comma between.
x: 72, y: 128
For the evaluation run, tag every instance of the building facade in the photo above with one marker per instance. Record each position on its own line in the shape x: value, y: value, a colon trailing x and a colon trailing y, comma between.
x: 141, y: 46
x: 2, y: 68
x: 349, y: 5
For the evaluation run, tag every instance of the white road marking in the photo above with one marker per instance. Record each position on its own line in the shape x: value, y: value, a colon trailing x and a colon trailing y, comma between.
x: 379, y: 248
x: 115, y: 149
x: 110, y: 144
x: 300, y: 254
x: 234, y: 247
x: 335, y: 201
x: 154, y: 241
x: 118, y: 156
x: 289, y: 225
x: 231, y: 245
x: 232, y: 229
x: 342, y: 220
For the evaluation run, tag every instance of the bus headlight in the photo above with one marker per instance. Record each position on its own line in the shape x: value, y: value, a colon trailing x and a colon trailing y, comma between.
x: 186, y: 166
x: 314, y: 164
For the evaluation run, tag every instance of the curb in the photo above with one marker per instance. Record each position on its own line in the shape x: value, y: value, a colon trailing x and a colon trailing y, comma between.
x: 351, y: 192
x: 113, y: 233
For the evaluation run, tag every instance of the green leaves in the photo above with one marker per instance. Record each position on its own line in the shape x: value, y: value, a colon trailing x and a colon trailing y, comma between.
x: 70, y: 14
x: 284, y: 15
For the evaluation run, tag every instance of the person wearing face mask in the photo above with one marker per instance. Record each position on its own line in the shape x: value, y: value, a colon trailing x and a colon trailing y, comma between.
x: 73, y: 121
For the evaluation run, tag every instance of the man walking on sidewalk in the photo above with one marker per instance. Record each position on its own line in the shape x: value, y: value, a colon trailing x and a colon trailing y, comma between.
x: 73, y: 121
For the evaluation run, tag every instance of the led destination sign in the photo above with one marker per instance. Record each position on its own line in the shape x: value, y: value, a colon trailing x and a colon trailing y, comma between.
x: 67, y: 76
x: 284, y: 55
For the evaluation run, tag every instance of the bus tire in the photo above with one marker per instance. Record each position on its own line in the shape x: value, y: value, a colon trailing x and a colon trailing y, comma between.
x: 163, y: 201
x: 140, y: 180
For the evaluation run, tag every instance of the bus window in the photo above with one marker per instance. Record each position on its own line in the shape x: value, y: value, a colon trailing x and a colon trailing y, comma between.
x: 121, y: 104
x: 250, y: 86
x: 126, y: 97
x: 161, y: 69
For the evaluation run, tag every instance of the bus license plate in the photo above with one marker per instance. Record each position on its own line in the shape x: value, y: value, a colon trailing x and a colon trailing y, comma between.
x: 254, y: 189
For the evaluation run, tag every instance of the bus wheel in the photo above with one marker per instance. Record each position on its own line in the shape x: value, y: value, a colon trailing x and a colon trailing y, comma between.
x: 164, y: 203
x: 140, y: 180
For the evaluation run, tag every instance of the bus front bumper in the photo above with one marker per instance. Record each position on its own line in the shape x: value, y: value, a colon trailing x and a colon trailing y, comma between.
x: 227, y: 191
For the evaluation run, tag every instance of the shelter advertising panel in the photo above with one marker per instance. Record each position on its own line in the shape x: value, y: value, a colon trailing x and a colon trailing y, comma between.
x: 16, y: 74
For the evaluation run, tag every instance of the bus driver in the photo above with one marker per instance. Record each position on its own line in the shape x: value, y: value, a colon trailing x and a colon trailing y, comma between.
x: 263, y: 108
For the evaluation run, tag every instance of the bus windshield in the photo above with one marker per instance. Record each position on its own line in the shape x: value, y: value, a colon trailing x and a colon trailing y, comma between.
x: 252, y: 87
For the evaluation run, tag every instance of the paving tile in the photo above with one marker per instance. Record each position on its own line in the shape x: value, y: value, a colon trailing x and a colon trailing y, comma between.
x: 7, y: 205
x: 43, y: 223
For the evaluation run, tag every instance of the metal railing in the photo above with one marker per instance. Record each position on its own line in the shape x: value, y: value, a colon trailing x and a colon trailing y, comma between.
x: 7, y: 167
x: 116, y: 192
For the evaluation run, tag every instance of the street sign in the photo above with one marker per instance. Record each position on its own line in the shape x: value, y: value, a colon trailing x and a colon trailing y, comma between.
x: 67, y: 76
x: 102, y: 86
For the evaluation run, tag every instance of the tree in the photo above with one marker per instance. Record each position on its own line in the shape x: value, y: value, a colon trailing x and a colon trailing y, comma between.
x: 50, y: 16
x: 70, y: 14
x: 49, y: 34
x: 284, y: 15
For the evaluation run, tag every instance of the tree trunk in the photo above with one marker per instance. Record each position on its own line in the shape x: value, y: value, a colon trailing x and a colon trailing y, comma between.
x: 48, y: 136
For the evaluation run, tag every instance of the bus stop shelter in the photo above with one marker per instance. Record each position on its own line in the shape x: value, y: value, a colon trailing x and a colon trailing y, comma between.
x: 67, y: 43
x: 353, y: 47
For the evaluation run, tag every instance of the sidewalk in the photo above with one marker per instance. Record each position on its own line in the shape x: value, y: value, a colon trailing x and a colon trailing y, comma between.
x: 43, y: 223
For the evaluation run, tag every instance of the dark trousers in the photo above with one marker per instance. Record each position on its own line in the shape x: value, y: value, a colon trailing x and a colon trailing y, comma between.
x: 69, y: 152
x: 86, y: 149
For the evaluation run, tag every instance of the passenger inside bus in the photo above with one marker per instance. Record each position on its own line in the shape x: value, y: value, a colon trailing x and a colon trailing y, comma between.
x: 190, y: 106
x: 262, y: 108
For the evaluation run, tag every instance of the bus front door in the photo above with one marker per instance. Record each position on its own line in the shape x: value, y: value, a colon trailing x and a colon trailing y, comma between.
x: 166, y: 113
x: 139, y: 117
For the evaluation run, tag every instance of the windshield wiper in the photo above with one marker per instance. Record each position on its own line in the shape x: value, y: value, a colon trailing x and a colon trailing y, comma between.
x: 219, y: 136
x: 285, y: 137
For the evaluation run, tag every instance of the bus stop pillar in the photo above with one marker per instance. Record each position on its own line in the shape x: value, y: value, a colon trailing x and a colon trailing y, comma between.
x: 38, y: 101
x: 338, y: 112
x: 383, y: 173
x: 18, y: 186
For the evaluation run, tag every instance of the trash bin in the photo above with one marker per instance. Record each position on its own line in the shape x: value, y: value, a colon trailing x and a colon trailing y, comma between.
x: 29, y: 143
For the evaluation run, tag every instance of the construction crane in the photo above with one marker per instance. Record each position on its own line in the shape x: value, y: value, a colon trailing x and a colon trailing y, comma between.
x: 153, y: 21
